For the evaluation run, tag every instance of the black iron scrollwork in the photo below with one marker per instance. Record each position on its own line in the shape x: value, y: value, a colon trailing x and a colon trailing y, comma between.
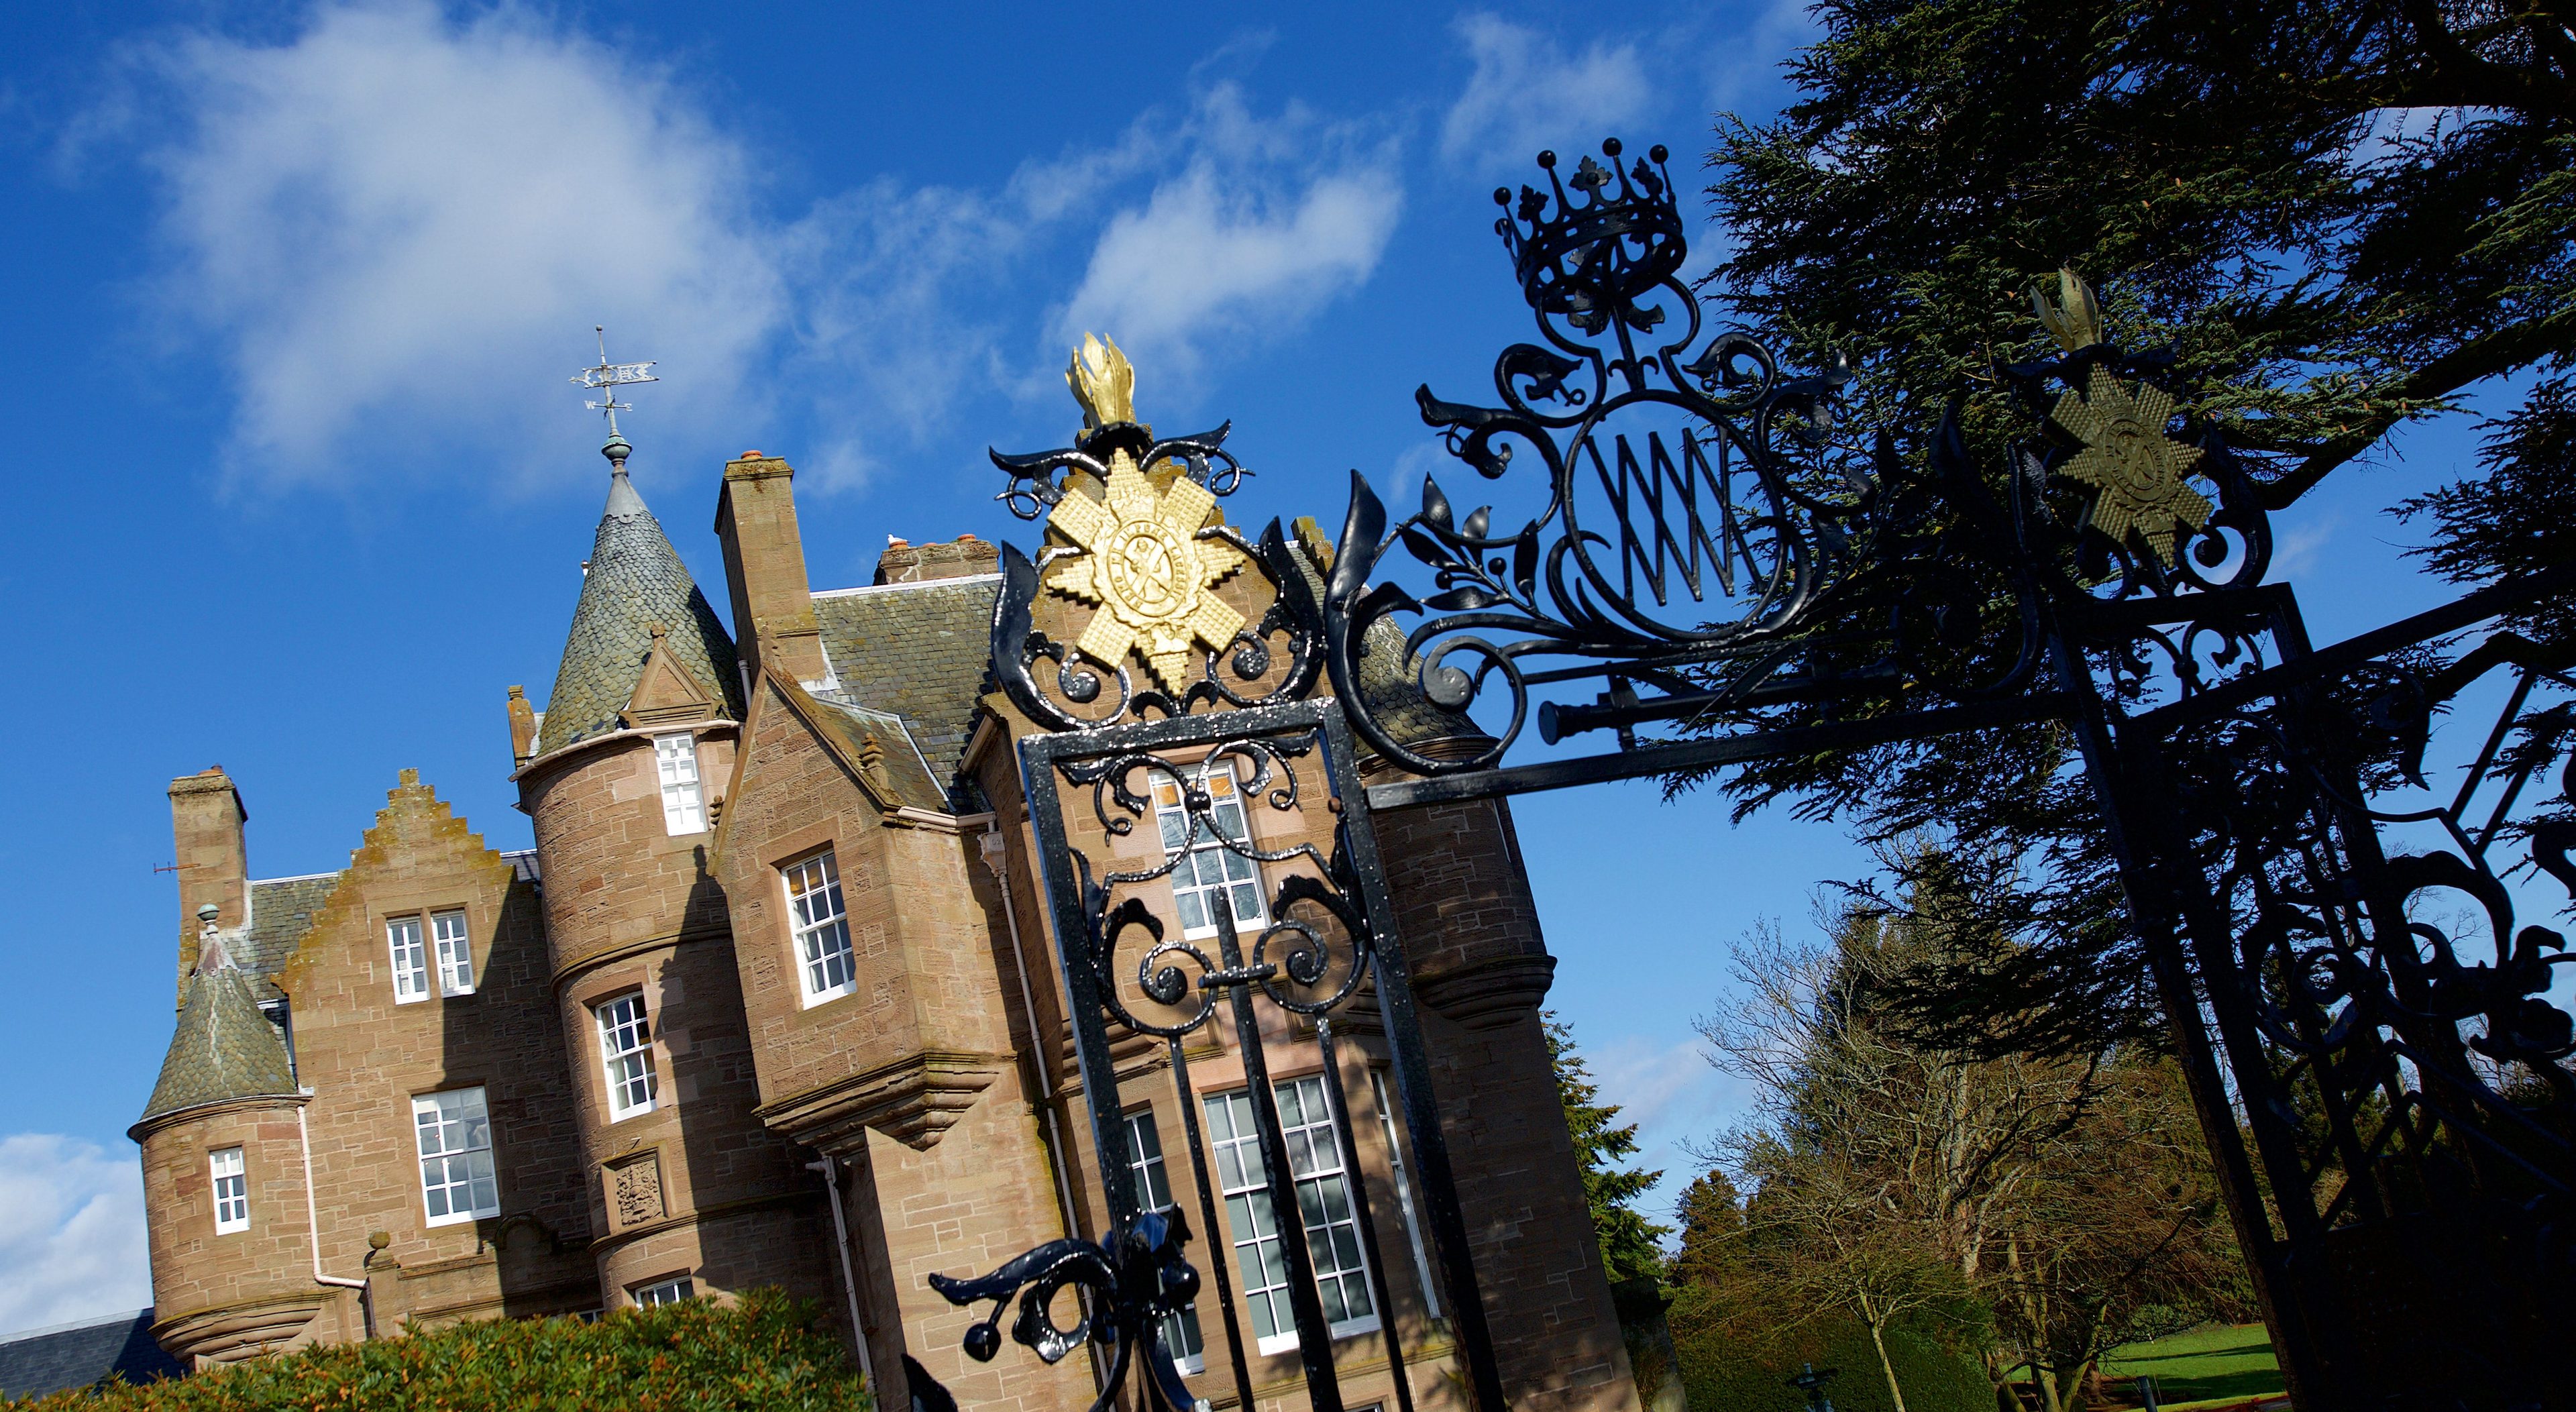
x: 1130, y: 1283
x: 1689, y: 524
x: 1306, y: 962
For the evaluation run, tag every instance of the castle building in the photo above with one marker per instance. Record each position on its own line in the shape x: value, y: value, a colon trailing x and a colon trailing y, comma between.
x: 773, y: 1002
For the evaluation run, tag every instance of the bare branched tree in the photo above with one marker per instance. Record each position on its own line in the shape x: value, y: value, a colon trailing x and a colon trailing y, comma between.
x: 1882, y: 1168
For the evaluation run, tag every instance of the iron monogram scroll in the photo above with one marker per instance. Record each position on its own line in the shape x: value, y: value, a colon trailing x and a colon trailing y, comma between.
x: 1690, y: 520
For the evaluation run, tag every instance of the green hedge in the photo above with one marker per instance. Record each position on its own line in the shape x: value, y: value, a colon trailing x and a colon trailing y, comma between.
x: 766, y: 1352
x: 1725, y: 1369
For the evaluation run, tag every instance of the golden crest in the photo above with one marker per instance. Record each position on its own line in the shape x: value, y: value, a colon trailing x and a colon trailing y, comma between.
x: 2072, y: 318
x: 2136, y: 469
x: 1103, y: 382
x: 1143, y: 561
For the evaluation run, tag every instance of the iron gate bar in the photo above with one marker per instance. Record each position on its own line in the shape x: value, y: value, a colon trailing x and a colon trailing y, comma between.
x: 1339, y: 1106
x: 1188, y: 1103
x: 2493, y: 601
x: 1726, y: 750
x: 1042, y: 756
x: 1305, y: 1299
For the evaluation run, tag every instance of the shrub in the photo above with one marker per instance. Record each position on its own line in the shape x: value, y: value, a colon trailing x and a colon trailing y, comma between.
x: 766, y: 1351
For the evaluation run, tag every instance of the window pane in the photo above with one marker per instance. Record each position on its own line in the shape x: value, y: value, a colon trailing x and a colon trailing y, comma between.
x: 231, y: 1191
x: 410, y: 959
x: 675, y: 758
x: 826, y: 964
x: 1203, y: 868
x: 455, y: 953
x: 456, y: 1172
x: 626, y: 1052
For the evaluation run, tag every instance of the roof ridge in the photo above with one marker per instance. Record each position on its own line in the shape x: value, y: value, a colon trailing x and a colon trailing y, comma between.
x: 95, y: 1321
x: 895, y: 587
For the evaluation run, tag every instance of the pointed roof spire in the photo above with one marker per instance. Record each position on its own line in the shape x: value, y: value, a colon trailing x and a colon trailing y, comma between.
x: 223, y: 1048
x: 635, y: 581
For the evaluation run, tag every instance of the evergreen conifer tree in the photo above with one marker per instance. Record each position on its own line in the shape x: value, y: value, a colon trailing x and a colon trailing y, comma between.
x: 2343, y: 216
x: 1628, y: 1239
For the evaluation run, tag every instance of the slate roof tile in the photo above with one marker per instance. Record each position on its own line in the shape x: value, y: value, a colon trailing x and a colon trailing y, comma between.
x: 635, y: 580
x: 224, y: 1047
x: 281, y: 912
x: 74, y: 1357
x: 918, y: 650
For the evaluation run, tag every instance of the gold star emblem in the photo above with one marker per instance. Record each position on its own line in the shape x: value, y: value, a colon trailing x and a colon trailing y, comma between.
x: 2136, y: 469
x: 1143, y: 562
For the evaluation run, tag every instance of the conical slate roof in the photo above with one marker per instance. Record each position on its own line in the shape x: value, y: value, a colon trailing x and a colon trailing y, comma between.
x: 224, y: 1048
x: 635, y: 581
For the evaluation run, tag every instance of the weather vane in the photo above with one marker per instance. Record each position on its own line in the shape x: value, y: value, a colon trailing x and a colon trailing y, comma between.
x: 607, y: 378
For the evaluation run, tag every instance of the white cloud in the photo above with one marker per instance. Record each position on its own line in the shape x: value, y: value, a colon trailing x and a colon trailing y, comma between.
x: 1267, y: 221
x: 403, y: 225
x: 71, y: 1231
x: 395, y: 228
x: 1203, y: 263
x: 1527, y: 93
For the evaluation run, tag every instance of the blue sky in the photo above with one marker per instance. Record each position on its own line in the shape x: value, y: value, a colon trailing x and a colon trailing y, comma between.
x: 300, y: 486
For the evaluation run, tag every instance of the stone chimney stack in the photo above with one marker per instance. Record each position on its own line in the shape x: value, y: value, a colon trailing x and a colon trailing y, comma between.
x: 964, y: 557
x: 206, y: 818
x: 773, y: 603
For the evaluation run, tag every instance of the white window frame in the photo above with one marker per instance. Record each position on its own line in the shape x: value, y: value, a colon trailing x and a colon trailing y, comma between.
x: 1207, y: 868
x: 818, y: 920
x: 1316, y: 1160
x: 1181, y: 1333
x: 455, y: 1147
x: 684, y: 798
x: 626, y: 1056
x: 653, y: 1295
x: 1404, y: 1195
x: 455, y: 951
x: 231, y: 1178
x: 404, y: 944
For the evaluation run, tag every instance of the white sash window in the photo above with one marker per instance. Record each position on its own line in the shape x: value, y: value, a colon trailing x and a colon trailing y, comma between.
x: 675, y: 759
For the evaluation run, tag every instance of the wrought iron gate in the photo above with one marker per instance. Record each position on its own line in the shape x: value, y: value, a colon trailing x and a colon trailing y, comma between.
x: 2393, y: 1120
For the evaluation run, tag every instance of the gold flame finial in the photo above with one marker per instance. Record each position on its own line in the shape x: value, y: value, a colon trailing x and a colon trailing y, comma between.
x: 1103, y: 382
x: 2072, y: 318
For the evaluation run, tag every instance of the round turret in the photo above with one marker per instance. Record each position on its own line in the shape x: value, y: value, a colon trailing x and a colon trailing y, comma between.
x: 624, y: 788
x: 224, y: 1179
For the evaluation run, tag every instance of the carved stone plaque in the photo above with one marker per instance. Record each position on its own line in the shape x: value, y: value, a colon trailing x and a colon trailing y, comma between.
x: 635, y: 1189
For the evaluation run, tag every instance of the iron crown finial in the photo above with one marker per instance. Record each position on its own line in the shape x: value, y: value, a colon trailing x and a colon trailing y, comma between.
x: 1589, y: 250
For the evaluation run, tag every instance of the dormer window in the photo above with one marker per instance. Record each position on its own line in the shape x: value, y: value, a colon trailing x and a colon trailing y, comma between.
x: 684, y: 806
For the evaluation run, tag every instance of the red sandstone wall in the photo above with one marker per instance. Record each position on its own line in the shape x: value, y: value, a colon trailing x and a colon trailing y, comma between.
x: 365, y: 1056
x: 629, y: 906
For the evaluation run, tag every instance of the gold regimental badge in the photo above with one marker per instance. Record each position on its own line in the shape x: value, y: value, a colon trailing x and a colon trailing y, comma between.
x: 1143, y: 561
x: 2135, y: 469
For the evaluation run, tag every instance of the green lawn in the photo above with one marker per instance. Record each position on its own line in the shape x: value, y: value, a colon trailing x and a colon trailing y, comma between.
x: 2219, y: 1363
